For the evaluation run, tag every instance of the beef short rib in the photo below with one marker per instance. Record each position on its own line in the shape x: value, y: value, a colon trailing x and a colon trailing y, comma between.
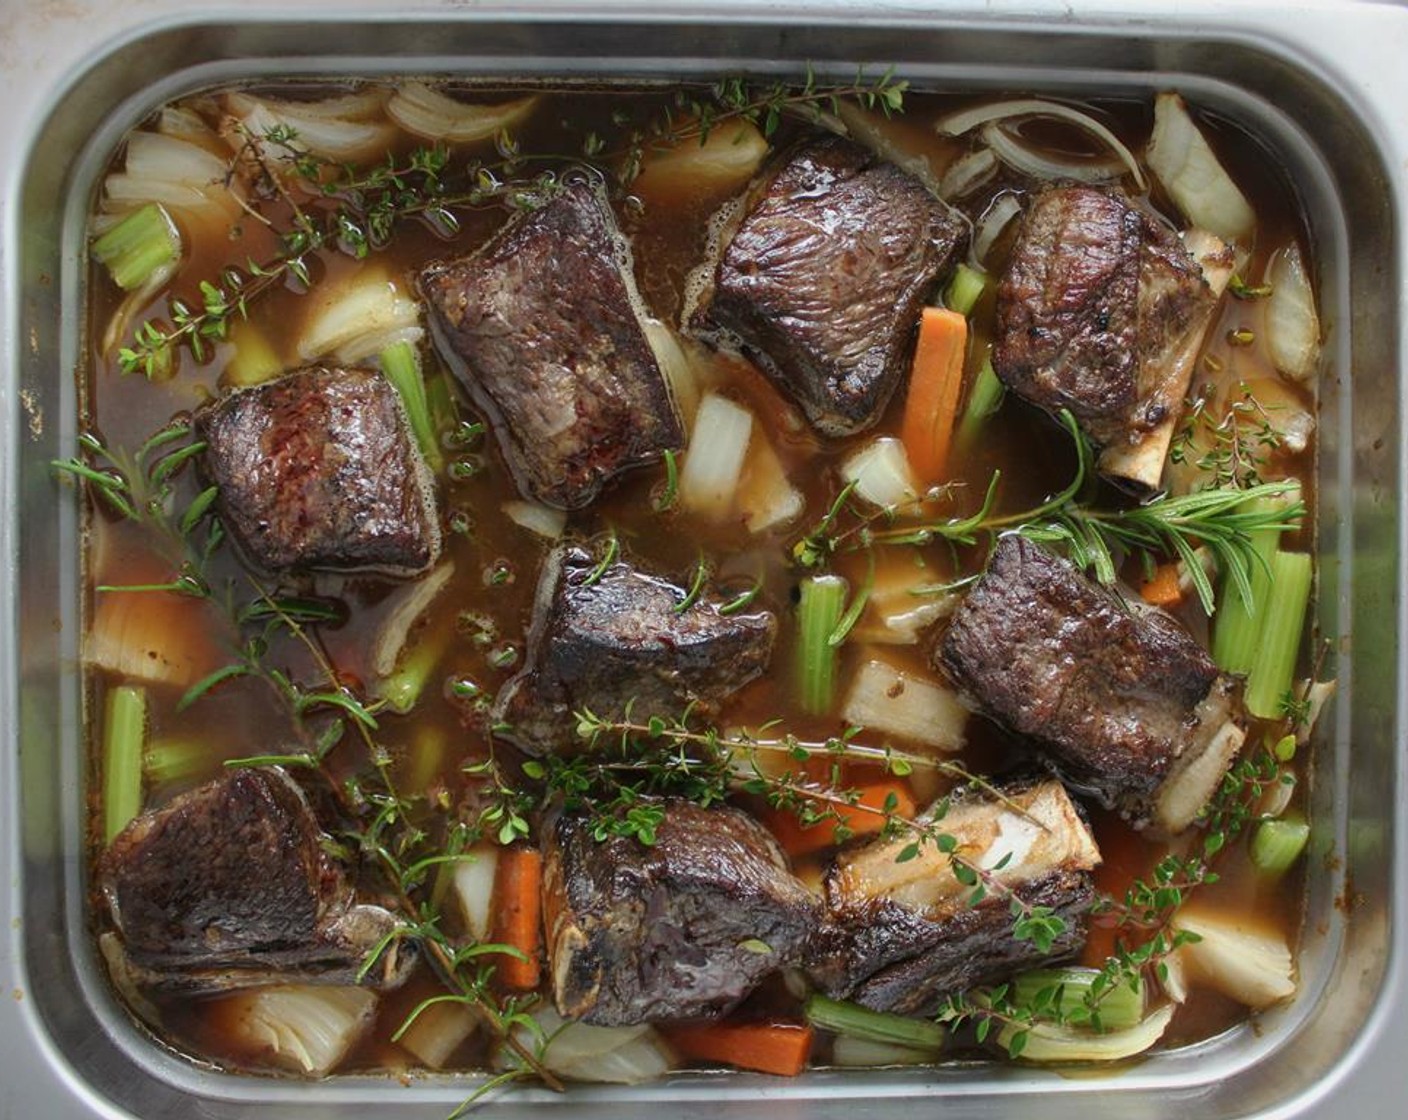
x: 318, y: 470
x: 683, y: 928
x: 229, y: 886
x: 542, y: 326
x: 1117, y: 694
x: 617, y: 637
x: 1097, y: 302
x: 823, y: 279
x: 900, y: 934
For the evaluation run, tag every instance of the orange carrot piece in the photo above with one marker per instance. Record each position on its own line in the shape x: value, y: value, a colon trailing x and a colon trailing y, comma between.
x: 780, y: 1048
x: 1162, y: 589
x: 935, y: 384
x: 798, y: 839
x: 518, y: 918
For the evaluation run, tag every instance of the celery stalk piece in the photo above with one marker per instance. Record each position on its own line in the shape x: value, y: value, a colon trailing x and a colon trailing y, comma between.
x: 1119, y: 1006
x: 124, y: 736
x: 984, y: 398
x: 143, y: 245
x: 965, y: 289
x: 1288, y: 596
x: 1237, y: 631
x: 402, y: 689
x: 854, y: 1021
x: 174, y: 760
x: 823, y: 599
x: 1277, y: 844
x: 401, y: 364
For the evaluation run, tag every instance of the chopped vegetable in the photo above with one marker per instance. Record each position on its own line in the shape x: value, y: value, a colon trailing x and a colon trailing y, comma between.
x: 861, y: 1053
x: 877, y: 798
x: 141, y: 250
x: 893, y: 139
x: 348, y: 129
x: 367, y: 314
x: 881, y: 474
x: 1044, y: 165
x: 545, y: 521
x: 854, y: 1021
x: 1277, y: 844
x: 1248, y: 965
x: 935, y: 384
x: 779, y: 1048
x: 174, y: 760
x: 393, y: 636
x: 401, y: 364
x: 171, y: 171
x: 517, y: 920
x: 124, y: 737
x: 885, y: 699
x: 1237, y: 630
x: 1067, y: 991
x: 714, y: 462
x: 683, y: 374
x: 967, y: 174
x: 582, y: 1052
x: 984, y: 399
x: 725, y: 160
x: 822, y: 602
x: 992, y: 225
x: 1292, y: 325
x: 1012, y: 112
x: 966, y: 288
x: 1049, y: 1042
x: 1164, y: 588
x: 766, y: 497
x: 301, y: 1026
x: 253, y: 360
x: 474, y: 888
x: 437, y: 1031
x: 1181, y: 159
x: 1288, y: 595
x: 431, y: 115
x: 153, y: 636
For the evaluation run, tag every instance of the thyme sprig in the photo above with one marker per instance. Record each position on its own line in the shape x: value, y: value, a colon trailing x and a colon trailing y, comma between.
x: 334, y: 207
x: 1230, y: 449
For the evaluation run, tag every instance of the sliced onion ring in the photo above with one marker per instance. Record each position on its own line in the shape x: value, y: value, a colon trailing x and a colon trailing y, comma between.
x: 432, y: 115
x: 965, y: 120
x: 1023, y: 156
x: 995, y: 219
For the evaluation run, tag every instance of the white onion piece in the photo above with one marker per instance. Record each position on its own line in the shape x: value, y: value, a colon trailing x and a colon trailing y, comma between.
x: 1181, y: 159
x: 681, y: 374
x: 1048, y: 1042
x: 727, y: 159
x: 395, y: 630
x: 319, y: 132
x: 302, y: 1026
x: 714, y: 462
x: 365, y: 104
x: 474, y: 888
x: 967, y: 174
x: 545, y: 521
x: 1031, y: 160
x: 1245, y: 964
x: 766, y: 496
x: 886, y: 137
x: 1283, y: 412
x: 175, y: 172
x: 884, y: 699
x: 154, y: 637
x: 965, y: 120
x: 1292, y: 324
x: 359, y: 318
x: 1318, y: 694
x: 431, y: 115
x: 438, y: 1032
x: 862, y: 1053
x: 643, y: 1058
x: 582, y: 1052
x: 991, y: 225
x: 881, y: 473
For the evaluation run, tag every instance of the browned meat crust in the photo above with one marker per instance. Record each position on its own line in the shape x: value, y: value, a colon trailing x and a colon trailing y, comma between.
x: 1096, y: 299
x: 684, y: 928
x: 542, y: 327
x: 823, y: 280
x: 621, y: 640
x: 318, y: 469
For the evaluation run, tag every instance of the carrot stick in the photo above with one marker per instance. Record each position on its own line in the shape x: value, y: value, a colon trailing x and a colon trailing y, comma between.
x: 518, y: 917
x: 1162, y: 588
x: 935, y: 384
x: 781, y: 1048
x: 798, y: 839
